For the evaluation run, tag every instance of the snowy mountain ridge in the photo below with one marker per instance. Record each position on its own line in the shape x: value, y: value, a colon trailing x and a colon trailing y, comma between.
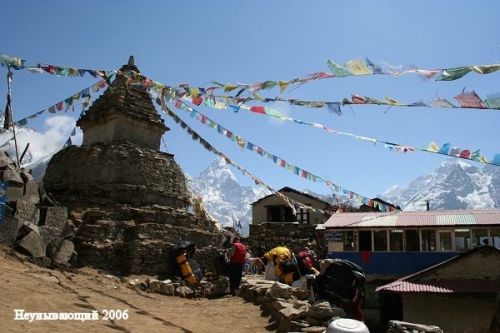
x: 454, y: 185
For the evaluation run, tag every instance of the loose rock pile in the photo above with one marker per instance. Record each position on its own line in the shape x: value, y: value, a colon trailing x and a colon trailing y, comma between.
x: 31, y: 223
x: 180, y: 288
x: 290, y: 307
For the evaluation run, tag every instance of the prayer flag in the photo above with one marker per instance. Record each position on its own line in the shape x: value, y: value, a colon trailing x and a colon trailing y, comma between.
x: 338, y: 70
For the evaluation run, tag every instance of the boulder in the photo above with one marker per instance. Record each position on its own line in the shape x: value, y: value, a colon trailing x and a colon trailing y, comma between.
x: 26, y: 211
x: 56, y: 217
x: 33, y: 244
x: 9, y: 228
x: 49, y: 234
x: 64, y: 252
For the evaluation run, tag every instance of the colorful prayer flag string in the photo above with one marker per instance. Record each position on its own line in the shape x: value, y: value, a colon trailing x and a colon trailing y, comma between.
x: 39, y: 67
x: 195, y: 136
x: 243, y: 143
x: 67, y: 103
x: 175, y: 96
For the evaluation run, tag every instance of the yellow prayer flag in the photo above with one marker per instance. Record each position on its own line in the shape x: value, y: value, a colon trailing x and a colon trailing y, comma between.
x: 220, y: 106
x: 486, y: 68
x: 357, y: 67
x: 257, y: 97
x: 229, y: 87
x: 241, y: 142
x: 393, y: 101
x: 283, y: 85
x: 433, y: 147
x: 194, y: 92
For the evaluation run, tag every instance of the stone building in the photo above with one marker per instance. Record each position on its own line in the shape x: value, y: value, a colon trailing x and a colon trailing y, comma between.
x: 273, y: 209
x: 128, y: 200
x: 458, y: 295
x: 275, y: 224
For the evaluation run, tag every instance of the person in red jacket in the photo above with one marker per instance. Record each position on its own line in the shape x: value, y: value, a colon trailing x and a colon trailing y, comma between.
x: 236, y: 263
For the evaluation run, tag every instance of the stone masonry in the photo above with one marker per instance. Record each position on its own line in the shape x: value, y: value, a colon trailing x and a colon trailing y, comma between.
x: 31, y: 224
x: 129, y: 202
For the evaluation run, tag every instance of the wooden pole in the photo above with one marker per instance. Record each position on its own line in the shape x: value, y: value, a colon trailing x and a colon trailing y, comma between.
x: 9, y: 99
x: 24, y: 153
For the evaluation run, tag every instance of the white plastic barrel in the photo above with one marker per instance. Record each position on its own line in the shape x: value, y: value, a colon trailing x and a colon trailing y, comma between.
x: 345, y: 325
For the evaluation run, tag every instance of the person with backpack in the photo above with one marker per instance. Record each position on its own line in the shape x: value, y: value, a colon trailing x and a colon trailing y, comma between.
x: 342, y: 282
x: 184, y: 264
x: 272, y: 259
x: 295, y: 270
x: 307, y: 262
x: 236, y: 264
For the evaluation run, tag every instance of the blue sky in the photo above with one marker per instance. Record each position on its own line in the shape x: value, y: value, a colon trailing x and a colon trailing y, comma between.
x: 249, y: 42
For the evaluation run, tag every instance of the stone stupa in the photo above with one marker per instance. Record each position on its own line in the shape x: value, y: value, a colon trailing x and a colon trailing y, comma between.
x: 120, y: 159
x: 129, y: 202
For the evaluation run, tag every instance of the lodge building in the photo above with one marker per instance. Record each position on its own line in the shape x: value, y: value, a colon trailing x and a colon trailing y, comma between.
x: 404, y: 242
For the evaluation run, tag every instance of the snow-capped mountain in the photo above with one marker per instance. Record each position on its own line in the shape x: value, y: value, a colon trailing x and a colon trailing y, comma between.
x: 34, y: 149
x: 224, y: 197
x: 454, y: 185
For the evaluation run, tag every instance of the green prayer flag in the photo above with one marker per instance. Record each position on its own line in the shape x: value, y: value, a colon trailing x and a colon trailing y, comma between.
x: 338, y: 70
x: 451, y: 74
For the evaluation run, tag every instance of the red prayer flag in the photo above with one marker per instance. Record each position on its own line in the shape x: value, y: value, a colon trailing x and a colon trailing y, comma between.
x: 464, y: 153
x: 258, y: 109
x: 49, y: 69
x: 356, y: 99
x: 197, y: 100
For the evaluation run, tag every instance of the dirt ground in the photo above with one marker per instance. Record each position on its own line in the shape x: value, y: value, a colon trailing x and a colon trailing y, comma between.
x: 30, y: 288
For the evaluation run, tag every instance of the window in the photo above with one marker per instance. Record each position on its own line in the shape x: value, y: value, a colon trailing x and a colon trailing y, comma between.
x: 365, y: 240
x: 280, y: 214
x: 445, y: 240
x: 462, y: 240
x: 428, y: 240
x: 380, y: 240
x: 396, y: 240
x: 349, y: 240
x: 479, y: 236
x: 495, y: 238
x: 303, y: 215
x: 412, y: 240
x: 289, y: 215
x: 274, y: 214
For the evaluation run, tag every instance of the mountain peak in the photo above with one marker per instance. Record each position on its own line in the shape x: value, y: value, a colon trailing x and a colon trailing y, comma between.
x: 224, y: 197
x: 219, y: 169
x: 455, y: 162
x: 454, y: 185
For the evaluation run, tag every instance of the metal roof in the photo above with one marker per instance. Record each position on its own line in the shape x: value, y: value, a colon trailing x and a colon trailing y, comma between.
x: 443, y: 286
x: 433, y: 218
x: 289, y: 189
x: 416, y: 282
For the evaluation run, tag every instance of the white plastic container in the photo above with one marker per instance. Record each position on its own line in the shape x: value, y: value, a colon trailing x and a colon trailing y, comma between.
x: 345, y: 325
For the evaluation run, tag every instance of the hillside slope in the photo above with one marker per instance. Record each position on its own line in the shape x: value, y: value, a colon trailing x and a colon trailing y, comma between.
x: 32, y: 288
